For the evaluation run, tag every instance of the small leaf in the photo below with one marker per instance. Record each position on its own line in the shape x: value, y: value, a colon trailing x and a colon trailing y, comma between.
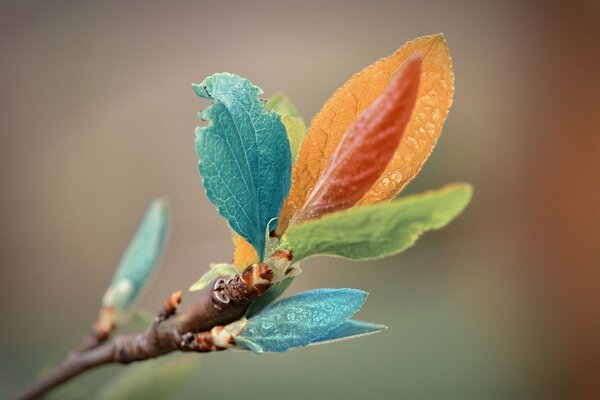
x: 377, y: 230
x: 350, y: 329
x: 204, y: 281
x: 299, y: 320
x: 215, y: 270
x: 294, y: 125
x: 282, y: 105
x: 367, y: 148
x: 142, y: 317
x: 140, y: 259
x: 150, y: 380
x: 244, y: 156
x: 244, y: 253
x: 356, y: 95
x: 224, y: 269
x: 296, y: 130
x: 268, y: 297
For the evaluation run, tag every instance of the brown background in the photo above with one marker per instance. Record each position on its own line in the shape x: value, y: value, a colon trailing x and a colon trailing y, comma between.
x: 97, y: 117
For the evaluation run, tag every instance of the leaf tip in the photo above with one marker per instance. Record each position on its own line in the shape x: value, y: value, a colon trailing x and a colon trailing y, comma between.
x: 439, y: 36
x: 355, y: 296
x: 465, y: 188
x: 160, y: 204
x: 200, y: 90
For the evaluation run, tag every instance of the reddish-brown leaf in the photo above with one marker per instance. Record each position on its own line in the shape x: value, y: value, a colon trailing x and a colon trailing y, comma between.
x: 367, y: 147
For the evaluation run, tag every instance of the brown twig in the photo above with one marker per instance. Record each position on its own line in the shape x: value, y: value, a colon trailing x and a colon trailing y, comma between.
x: 101, y: 330
x: 193, y: 329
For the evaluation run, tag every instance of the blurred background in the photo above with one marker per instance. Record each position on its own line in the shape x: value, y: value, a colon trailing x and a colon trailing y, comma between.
x: 97, y: 117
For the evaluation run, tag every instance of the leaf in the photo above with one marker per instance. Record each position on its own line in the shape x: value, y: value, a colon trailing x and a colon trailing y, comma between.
x: 150, y: 380
x: 299, y: 320
x: 244, y: 156
x: 296, y: 130
x: 140, y: 259
x: 269, y: 296
x: 204, y: 281
x: 142, y: 317
x: 282, y: 105
x: 243, y: 254
x: 366, y: 149
x: 350, y: 329
x: 214, y: 271
x: 294, y: 125
x: 340, y: 111
x: 377, y: 230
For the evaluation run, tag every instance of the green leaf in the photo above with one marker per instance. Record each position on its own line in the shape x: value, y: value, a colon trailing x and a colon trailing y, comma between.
x: 142, y: 317
x: 281, y: 104
x: 296, y: 130
x: 244, y: 156
x: 377, y: 230
x: 268, y: 297
x: 350, y: 329
x: 140, y: 259
x: 151, y: 380
x: 294, y: 125
x: 299, y: 320
x: 214, y: 271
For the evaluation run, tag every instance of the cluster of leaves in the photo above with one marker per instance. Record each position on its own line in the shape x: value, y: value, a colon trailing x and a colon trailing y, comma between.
x: 326, y: 190
x: 369, y: 140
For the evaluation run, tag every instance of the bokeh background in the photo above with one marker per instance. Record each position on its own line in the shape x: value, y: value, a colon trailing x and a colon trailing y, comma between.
x: 97, y: 118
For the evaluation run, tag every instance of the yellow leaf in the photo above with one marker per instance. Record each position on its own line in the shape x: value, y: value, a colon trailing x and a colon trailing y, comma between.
x: 340, y: 111
x: 291, y: 119
x: 295, y: 131
x: 244, y: 253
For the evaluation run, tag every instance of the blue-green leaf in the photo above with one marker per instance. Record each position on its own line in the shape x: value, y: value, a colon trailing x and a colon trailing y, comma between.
x: 140, y: 259
x: 299, y: 320
x: 268, y: 297
x: 244, y: 156
x: 350, y: 329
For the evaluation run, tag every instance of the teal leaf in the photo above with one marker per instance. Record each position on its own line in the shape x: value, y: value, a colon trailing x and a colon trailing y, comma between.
x: 377, y: 230
x: 269, y: 296
x: 350, y: 329
x: 140, y: 259
x: 214, y: 271
x: 299, y: 320
x: 152, y: 379
x: 244, y: 156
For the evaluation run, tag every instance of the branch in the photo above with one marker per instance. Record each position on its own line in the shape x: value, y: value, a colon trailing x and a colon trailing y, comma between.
x: 101, y: 330
x: 198, y: 328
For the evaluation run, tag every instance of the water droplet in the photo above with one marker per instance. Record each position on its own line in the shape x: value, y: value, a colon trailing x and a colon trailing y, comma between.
x: 396, y: 177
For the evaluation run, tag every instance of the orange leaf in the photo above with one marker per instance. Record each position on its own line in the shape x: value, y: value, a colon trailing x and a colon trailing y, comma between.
x: 244, y: 253
x: 340, y: 111
x: 367, y: 147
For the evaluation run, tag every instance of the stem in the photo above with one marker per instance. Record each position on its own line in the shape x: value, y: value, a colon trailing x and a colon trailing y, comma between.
x: 226, y: 302
x: 73, y: 365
